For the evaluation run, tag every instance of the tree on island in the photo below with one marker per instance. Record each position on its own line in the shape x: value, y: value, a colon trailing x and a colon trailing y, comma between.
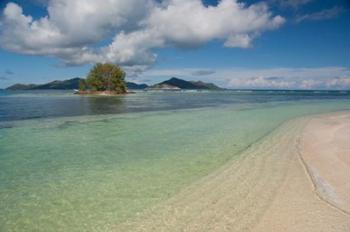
x: 105, y: 77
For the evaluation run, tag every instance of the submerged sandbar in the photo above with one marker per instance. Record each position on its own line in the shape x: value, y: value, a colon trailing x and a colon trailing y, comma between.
x: 268, y: 188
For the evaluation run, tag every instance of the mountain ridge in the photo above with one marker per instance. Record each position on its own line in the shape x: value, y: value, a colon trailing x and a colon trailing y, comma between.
x: 69, y: 84
x: 173, y: 83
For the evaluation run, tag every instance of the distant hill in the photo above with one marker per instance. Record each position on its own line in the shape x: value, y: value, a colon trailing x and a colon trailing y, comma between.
x: 64, y: 85
x: 132, y: 85
x: 204, y: 85
x: 177, y: 83
x: 21, y: 87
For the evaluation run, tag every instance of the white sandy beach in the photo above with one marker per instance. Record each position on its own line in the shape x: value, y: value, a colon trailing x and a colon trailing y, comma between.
x: 295, y: 179
x: 315, y: 196
x: 326, y: 152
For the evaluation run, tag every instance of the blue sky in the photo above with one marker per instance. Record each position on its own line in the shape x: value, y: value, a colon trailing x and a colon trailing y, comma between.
x: 286, y: 44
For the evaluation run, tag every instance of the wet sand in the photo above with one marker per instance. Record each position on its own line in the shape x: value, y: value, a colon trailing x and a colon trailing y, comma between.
x: 326, y: 152
x: 315, y: 195
x: 278, y: 184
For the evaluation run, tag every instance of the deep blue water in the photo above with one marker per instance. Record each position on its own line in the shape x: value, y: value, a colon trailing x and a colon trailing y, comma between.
x: 18, y: 105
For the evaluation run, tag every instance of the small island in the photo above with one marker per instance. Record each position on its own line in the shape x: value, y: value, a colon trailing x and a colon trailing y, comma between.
x: 104, y: 79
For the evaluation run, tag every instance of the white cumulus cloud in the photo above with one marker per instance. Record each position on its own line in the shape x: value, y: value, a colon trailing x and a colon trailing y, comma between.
x: 73, y: 31
x: 270, y: 78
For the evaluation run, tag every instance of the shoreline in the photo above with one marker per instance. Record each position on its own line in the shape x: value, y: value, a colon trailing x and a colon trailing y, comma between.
x: 324, y: 151
x: 101, y: 93
x: 267, y: 188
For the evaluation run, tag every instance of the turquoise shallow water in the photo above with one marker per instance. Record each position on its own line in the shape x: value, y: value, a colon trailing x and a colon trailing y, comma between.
x: 89, y: 173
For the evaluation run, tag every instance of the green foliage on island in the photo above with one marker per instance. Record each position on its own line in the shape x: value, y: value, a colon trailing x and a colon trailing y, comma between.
x: 105, y: 77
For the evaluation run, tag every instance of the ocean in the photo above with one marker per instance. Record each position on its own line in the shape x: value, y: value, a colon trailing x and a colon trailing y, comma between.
x: 84, y: 163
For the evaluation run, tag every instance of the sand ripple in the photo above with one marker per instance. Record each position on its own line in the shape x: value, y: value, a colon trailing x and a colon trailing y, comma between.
x: 267, y: 188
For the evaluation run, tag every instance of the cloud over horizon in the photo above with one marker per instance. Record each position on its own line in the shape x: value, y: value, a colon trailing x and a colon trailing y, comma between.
x: 337, y: 78
x: 74, y: 30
